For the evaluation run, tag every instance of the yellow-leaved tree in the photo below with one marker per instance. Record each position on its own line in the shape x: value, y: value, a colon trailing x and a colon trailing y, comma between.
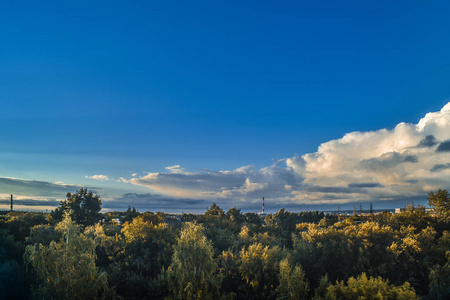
x: 193, y: 272
x: 66, y: 269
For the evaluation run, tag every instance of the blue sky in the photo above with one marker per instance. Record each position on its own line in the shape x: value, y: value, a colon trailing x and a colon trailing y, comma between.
x: 125, y: 90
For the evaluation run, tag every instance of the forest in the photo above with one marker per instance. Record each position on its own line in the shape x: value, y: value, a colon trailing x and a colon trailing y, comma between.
x: 77, y: 252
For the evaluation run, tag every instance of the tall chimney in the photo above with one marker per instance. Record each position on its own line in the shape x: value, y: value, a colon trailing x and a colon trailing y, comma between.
x: 11, y: 202
x: 263, y: 206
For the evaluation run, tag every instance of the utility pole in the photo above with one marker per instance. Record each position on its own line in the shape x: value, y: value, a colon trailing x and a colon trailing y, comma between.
x: 354, y: 210
x: 11, y: 202
x: 360, y: 209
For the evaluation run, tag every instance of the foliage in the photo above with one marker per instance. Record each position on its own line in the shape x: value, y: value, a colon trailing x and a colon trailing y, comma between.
x: 214, y: 210
x: 259, y: 267
x: 83, y: 206
x: 370, y: 288
x: 19, y: 223
x: 230, y: 255
x: 440, y: 281
x: 282, y: 224
x: 293, y: 283
x: 235, y: 215
x: 441, y: 203
x: 193, y: 272
x: 66, y: 269
x: 129, y: 215
x: 218, y: 228
x: 136, y: 257
x: 14, y: 282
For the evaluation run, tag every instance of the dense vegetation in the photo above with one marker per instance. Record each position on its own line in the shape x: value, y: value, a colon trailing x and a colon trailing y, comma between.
x: 76, y: 252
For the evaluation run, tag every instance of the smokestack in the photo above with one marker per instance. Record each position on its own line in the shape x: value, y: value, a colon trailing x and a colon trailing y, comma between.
x: 263, y: 206
x: 11, y: 202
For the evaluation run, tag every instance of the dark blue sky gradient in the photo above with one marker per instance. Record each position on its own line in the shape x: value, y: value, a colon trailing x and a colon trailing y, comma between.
x: 213, y: 84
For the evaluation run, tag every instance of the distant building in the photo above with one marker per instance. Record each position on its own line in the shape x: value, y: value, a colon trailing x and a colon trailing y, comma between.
x: 398, y: 210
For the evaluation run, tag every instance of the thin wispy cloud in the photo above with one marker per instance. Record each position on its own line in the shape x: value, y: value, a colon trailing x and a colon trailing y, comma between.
x: 98, y: 177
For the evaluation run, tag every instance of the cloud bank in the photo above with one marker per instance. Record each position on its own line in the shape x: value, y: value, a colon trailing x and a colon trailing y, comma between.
x: 390, y: 167
x: 402, y: 164
x: 33, y: 194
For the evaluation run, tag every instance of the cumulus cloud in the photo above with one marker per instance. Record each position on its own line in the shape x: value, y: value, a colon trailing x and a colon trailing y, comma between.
x: 403, y: 163
x: 244, y: 183
x: 98, y: 177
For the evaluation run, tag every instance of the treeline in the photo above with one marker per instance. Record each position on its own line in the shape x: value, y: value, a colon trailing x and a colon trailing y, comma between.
x: 76, y: 252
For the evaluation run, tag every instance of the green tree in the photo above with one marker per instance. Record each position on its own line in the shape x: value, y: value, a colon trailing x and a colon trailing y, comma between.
x: 218, y: 229
x: 293, y: 283
x: 326, y: 251
x: 440, y: 281
x: 136, y: 256
x: 19, y: 223
x: 282, y: 224
x: 14, y: 282
x: 214, y: 210
x: 66, y: 269
x: 193, y: 272
x: 370, y: 288
x: 83, y: 206
x: 130, y: 214
x: 440, y: 201
x: 259, y: 266
x: 235, y: 215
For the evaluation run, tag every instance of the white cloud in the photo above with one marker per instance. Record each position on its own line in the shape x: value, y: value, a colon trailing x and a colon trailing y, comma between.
x: 403, y: 163
x: 98, y: 177
x: 245, y: 183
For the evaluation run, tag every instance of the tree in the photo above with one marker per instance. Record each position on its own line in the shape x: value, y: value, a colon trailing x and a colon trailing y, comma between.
x: 259, y: 267
x: 440, y: 281
x: 14, y: 282
x: 130, y: 214
x: 440, y: 201
x: 136, y: 256
x: 235, y: 215
x: 193, y: 272
x: 293, y: 283
x: 370, y: 288
x: 83, y: 206
x: 214, y: 210
x: 282, y: 224
x: 66, y: 269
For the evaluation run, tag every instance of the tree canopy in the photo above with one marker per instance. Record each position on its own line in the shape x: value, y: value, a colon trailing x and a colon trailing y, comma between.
x: 83, y: 206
